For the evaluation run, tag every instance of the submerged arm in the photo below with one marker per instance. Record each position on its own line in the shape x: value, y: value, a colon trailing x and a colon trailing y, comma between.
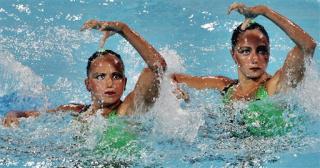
x: 12, y: 117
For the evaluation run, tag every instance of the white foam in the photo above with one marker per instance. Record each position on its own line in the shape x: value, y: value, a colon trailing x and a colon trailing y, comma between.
x: 18, y: 77
x: 209, y: 26
x: 171, y: 120
x: 22, y: 8
x: 309, y: 90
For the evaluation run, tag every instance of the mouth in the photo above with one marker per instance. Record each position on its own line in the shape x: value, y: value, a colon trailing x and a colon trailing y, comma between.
x: 255, y: 69
x: 110, y: 93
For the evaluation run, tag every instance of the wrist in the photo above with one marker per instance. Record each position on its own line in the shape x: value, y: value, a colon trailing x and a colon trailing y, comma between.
x: 263, y: 9
x: 13, y: 114
x: 123, y: 27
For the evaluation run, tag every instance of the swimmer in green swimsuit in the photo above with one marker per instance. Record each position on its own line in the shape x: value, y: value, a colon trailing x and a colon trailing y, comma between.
x: 262, y: 116
x: 106, y: 82
x: 251, y: 52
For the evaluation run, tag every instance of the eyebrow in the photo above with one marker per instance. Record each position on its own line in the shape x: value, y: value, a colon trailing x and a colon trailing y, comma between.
x: 102, y: 73
x: 243, y: 47
x: 263, y: 47
x: 98, y: 73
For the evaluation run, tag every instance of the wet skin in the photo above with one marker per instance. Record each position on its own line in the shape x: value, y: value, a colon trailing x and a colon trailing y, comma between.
x: 106, y: 81
x: 251, y: 54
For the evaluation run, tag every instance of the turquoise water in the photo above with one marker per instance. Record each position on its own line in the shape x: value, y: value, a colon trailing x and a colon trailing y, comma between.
x: 43, y: 65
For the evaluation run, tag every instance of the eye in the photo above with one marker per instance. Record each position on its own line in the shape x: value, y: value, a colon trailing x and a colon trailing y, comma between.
x: 100, y: 76
x: 117, y: 76
x: 262, y: 50
x: 244, y: 51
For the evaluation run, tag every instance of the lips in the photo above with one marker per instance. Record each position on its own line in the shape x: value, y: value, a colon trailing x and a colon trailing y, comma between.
x: 255, y: 68
x: 110, y: 93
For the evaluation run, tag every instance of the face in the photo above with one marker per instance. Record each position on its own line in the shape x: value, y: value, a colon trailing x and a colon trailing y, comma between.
x: 251, y: 54
x: 106, y: 81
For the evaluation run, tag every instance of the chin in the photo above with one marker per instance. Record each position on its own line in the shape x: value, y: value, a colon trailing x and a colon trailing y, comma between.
x: 254, y: 76
x: 109, y: 101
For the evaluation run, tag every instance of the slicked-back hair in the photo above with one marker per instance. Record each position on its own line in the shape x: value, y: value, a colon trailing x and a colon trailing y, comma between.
x: 238, y: 31
x: 103, y: 53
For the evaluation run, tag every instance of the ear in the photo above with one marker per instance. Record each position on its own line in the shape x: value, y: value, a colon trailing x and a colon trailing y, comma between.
x: 233, y: 56
x: 125, y: 83
x: 87, y: 83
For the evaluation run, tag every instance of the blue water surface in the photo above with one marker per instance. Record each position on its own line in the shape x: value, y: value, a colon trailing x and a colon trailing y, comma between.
x: 44, y: 56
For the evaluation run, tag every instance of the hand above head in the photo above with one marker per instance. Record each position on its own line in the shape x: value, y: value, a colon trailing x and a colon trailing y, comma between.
x: 108, y: 28
x: 104, y: 38
x: 103, y: 25
x: 248, y: 12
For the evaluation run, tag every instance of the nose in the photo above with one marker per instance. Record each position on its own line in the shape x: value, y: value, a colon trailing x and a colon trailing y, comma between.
x: 254, y: 58
x: 109, y: 82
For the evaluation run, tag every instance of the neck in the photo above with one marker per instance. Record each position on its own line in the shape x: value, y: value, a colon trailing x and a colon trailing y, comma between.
x: 248, y: 83
x: 106, y: 108
x: 247, y: 87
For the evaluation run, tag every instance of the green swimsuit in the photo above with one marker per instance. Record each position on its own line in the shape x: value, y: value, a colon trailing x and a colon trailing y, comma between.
x: 262, y: 117
x: 117, y: 136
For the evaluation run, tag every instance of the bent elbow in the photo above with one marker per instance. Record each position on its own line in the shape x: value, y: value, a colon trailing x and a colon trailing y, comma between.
x: 310, y: 47
x: 163, y: 65
x: 160, y: 66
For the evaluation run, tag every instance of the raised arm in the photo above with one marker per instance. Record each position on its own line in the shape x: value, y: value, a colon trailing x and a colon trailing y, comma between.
x: 293, y: 69
x: 147, y: 87
x: 149, y: 54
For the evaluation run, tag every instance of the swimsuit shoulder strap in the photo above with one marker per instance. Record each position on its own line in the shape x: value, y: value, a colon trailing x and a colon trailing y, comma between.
x: 85, y: 108
x: 227, y: 88
x: 262, y: 92
x: 113, y: 113
x: 227, y: 92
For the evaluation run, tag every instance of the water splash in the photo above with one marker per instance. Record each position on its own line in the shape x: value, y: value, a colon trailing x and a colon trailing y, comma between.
x: 17, y: 77
x: 308, y: 92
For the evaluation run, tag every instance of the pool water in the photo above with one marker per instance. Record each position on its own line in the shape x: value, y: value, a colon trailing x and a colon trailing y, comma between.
x: 43, y: 59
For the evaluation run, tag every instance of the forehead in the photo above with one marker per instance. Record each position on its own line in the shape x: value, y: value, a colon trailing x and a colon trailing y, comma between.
x: 250, y: 37
x: 108, y: 63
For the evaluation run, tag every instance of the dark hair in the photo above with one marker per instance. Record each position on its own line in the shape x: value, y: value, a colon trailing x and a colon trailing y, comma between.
x: 103, y: 53
x: 238, y: 31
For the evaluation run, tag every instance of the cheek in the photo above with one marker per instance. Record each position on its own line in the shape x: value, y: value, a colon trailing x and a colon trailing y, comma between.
x: 97, y: 86
x: 119, y: 85
x: 242, y: 61
x: 264, y: 61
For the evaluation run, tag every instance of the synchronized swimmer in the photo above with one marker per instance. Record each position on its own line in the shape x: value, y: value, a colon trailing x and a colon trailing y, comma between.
x: 106, y: 79
x: 250, y: 51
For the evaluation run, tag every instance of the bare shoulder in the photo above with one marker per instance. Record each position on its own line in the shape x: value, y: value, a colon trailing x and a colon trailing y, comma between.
x: 127, y: 106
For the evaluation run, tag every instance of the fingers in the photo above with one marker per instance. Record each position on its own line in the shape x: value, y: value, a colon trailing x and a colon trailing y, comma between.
x: 10, y: 121
x: 236, y: 6
x: 105, y: 36
x: 180, y: 94
x: 90, y: 24
x: 246, y: 23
